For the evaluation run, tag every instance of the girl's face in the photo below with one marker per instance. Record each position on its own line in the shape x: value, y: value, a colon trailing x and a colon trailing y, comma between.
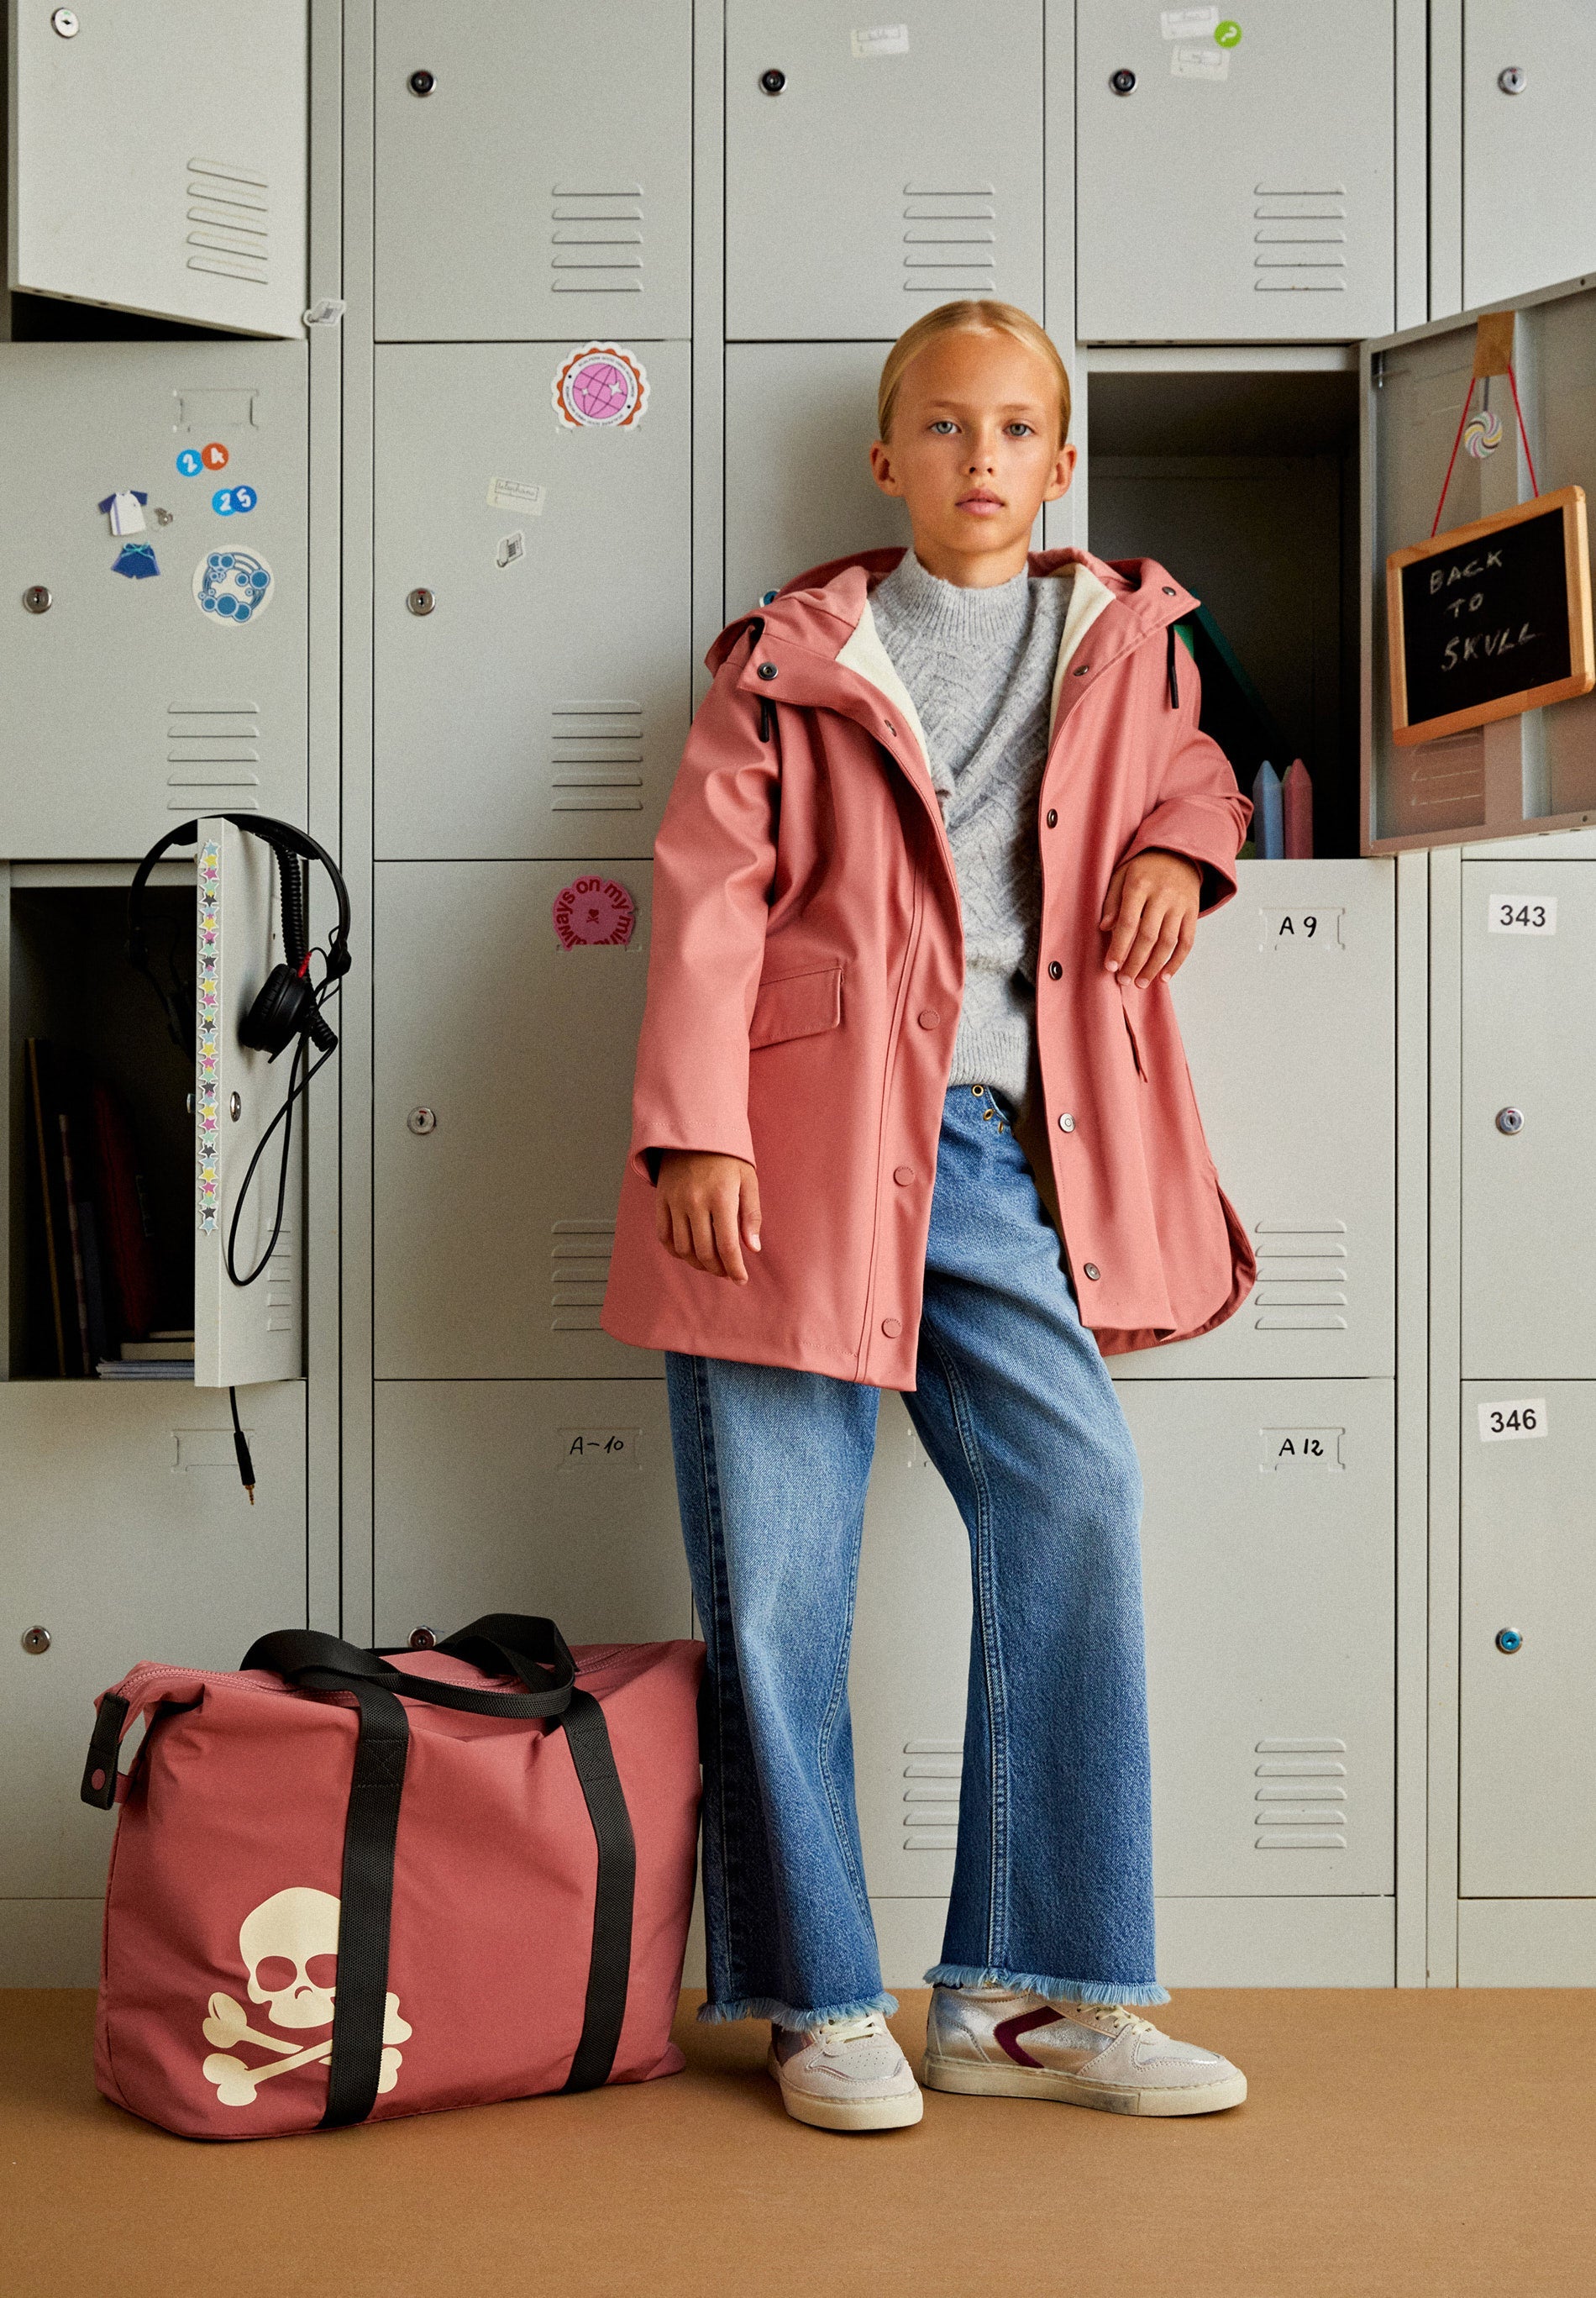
x: 974, y: 454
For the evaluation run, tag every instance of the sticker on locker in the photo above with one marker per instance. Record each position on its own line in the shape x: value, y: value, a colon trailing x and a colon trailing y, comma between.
x: 601, y: 387
x: 1187, y: 23
x: 1203, y: 62
x: 1536, y: 914
x: 515, y: 494
x: 1309, y: 1449
x: 1519, y: 1417
x: 1298, y: 930
x: 882, y: 40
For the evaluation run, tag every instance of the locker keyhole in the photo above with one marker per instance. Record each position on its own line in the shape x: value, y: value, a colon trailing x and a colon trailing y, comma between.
x: 421, y: 82
x: 1122, y: 81
x: 773, y: 82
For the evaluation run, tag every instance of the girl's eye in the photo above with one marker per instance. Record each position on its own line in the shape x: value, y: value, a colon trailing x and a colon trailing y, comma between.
x: 1023, y: 428
x: 944, y: 423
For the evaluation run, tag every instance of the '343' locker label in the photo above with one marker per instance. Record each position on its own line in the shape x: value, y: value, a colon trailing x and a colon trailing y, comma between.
x: 1536, y: 914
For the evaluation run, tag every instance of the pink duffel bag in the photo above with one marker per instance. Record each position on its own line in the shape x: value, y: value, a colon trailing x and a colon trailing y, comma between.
x: 342, y: 1892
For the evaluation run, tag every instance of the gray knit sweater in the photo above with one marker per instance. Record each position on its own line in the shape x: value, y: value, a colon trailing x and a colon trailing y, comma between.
x: 979, y: 667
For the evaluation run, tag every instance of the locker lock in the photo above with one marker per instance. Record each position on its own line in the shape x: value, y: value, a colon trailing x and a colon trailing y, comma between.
x: 1122, y: 81
x: 423, y: 1638
x: 772, y: 81
x: 1508, y: 1639
x: 420, y: 601
x: 37, y: 1640
x: 1512, y: 81
x: 423, y: 1120
x: 36, y: 599
x: 421, y: 82
x: 234, y: 1107
x: 63, y: 23
x: 1510, y: 1121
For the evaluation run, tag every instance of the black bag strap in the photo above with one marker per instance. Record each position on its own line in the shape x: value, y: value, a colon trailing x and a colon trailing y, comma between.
x: 521, y: 1645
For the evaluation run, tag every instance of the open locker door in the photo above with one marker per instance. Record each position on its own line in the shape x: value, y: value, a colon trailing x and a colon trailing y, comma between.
x: 158, y: 159
x: 250, y: 1332
x: 1532, y: 770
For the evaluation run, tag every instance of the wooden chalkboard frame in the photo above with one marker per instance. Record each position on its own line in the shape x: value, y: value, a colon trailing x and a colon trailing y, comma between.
x: 1581, y: 654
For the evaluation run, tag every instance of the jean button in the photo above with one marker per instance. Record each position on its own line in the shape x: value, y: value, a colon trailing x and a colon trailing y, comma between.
x: 903, y: 1175
x: 891, y: 1327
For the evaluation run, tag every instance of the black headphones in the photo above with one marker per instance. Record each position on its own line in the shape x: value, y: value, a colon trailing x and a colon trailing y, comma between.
x: 287, y: 1006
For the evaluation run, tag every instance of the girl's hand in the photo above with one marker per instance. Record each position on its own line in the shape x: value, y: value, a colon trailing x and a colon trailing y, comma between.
x: 705, y: 1206
x: 1151, y: 906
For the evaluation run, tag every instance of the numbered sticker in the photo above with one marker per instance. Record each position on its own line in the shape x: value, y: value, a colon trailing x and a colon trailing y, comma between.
x: 1523, y: 1416
x: 1536, y: 916
x: 1302, y: 1448
x: 599, y: 1448
x: 1298, y: 930
x: 226, y: 500
x: 214, y: 455
x: 189, y: 465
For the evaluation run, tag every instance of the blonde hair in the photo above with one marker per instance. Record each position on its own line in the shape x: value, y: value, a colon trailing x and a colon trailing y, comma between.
x: 971, y: 316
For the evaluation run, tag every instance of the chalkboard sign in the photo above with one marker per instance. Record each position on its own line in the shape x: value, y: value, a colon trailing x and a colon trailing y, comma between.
x: 1491, y: 618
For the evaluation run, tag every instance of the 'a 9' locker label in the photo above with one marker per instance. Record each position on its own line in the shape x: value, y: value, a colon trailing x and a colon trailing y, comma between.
x: 1536, y: 915
x: 1301, y: 930
x: 1520, y: 1416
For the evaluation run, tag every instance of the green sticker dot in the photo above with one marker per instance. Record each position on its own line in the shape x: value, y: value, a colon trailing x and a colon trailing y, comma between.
x: 1229, y: 33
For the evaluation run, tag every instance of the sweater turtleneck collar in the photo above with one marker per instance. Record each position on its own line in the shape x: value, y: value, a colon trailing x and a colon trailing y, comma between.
x: 951, y: 614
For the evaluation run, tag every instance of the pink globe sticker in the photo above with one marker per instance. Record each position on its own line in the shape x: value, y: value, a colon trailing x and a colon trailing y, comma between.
x: 593, y: 912
x: 602, y: 386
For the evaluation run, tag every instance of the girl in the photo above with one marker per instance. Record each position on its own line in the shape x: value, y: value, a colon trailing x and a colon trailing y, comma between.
x: 911, y: 1111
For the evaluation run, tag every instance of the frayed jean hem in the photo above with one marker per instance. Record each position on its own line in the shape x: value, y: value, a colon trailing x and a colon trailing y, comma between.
x: 786, y: 2014
x: 1055, y: 1990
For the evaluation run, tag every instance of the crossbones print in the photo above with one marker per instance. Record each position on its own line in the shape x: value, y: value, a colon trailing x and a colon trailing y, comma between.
x: 289, y: 1946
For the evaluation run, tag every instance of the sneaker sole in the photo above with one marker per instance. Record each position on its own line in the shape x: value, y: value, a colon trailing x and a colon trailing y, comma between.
x: 897, y: 2112
x: 981, y: 2081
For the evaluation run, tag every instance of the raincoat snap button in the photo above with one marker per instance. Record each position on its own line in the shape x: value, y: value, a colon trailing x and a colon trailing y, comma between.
x: 1169, y: 590
x: 1093, y: 1271
x: 929, y: 1018
x: 1052, y: 817
x: 766, y: 670
x: 891, y: 1328
x: 903, y: 1175
x: 1066, y: 1123
x: 1082, y: 668
x: 1053, y: 969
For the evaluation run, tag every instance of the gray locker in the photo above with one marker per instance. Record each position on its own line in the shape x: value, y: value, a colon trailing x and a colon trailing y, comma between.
x: 1269, y: 1553
x: 873, y: 172
x: 799, y: 419
x: 912, y: 1650
x: 1235, y: 194
x: 1287, y: 1009
x: 538, y: 705
x: 1528, y: 1114
x: 147, y: 691
x: 1529, y: 173
x: 158, y: 160
x: 1527, y: 1736
x: 533, y: 170
x: 548, y: 1496
x: 502, y: 1110
x: 130, y: 1539
x: 1535, y: 771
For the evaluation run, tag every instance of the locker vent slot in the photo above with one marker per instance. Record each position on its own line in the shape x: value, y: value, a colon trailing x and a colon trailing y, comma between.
x: 212, y: 752
x: 595, y: 757
x: 1449, y: 772
x: 931, y: 1794
x: 949, y: 247
x: 226, y: 216
x: 282, y: 1303
x: 1299, y: 241
x: 597, y: 240
x: 1301, y: 1800
x: 1302, y: 1278
x: 580, y: 1254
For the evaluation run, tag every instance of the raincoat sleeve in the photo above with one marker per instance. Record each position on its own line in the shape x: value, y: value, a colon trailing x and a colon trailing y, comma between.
x: 714, y: 861
x: 1199, y: 813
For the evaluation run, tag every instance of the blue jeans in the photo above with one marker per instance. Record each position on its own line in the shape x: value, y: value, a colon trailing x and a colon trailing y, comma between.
x: 1052, y: 1880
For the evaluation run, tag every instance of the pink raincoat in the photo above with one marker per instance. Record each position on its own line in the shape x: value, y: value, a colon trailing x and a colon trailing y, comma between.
x: 807, y: 967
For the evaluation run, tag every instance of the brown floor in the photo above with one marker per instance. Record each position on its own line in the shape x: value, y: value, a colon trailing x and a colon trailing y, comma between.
x: 1431, y: 2144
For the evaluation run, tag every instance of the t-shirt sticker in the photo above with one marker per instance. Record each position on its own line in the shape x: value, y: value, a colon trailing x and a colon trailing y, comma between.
x: 233, y: 586
x: 126, y: 511
x: 600, y: 386
x: 880, y: 40
x: 592, y: 912
x: 136, y: 560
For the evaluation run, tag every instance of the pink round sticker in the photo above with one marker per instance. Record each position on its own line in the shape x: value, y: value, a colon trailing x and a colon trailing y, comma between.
x: 591, y: 911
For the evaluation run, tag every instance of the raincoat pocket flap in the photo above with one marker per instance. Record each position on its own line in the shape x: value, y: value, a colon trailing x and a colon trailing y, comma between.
x: 796, y: 1005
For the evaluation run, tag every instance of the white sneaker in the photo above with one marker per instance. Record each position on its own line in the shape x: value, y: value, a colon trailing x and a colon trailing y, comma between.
x: 847, y: 2074
x: 996, y: 2043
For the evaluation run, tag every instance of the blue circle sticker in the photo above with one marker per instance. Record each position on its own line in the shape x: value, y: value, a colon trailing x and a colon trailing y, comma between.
x: 226, y: 500
x: 232, y: 586
x: 189, y: 463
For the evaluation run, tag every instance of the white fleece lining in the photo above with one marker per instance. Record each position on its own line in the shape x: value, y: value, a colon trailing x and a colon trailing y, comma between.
x: 1088, y: 599
x: 868, y: 659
